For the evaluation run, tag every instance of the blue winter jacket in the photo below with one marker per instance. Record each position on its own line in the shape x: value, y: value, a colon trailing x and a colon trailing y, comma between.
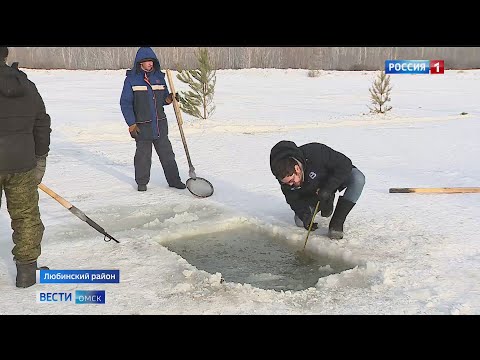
x: 142, y: 103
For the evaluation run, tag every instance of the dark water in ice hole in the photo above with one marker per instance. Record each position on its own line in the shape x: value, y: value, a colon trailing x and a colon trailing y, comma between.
x: 248, y: 255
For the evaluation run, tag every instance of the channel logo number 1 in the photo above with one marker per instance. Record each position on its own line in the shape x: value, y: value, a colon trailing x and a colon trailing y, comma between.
x: 437, y: 67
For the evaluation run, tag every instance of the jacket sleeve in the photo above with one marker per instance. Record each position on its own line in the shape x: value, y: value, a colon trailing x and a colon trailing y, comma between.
x: 42, y: 126
x: 340, y: 167
x: 166, y: 92
x: 299, y: 206
x: 126, y: 103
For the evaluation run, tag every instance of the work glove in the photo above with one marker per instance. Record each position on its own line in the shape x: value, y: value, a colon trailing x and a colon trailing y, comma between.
x: 134, y: 130
x: 40, y: 168
x: 307, y: 218
x: 323, y: 195
x: 326, y: 199
x: 170, y: 97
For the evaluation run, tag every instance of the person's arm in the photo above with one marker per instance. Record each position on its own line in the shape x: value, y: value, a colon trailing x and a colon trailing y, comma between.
x: 169, y: 98
x: 41, y: 135
x: 298, y: 205
x: 42, y: 126
x: 126, y: 103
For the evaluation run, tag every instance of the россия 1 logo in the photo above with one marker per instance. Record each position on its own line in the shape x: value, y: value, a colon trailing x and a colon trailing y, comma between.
x: 414, y: 66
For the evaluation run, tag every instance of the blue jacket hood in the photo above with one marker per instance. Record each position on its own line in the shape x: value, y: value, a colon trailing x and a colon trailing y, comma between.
x: 144, y: 53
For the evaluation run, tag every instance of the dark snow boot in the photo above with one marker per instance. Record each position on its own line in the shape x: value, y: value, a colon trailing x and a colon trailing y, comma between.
x: 27, y: 274
x: 343, y: 208
x: 178, y: 185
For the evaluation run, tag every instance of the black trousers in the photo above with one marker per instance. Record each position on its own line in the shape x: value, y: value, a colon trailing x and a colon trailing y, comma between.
x: 163, y: 148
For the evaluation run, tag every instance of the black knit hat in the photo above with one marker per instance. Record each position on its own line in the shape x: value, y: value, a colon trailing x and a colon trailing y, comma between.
x: 3, y: 53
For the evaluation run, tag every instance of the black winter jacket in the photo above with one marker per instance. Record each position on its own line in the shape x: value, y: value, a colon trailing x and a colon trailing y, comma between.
x: 24, y: 124
x: 324, y: 169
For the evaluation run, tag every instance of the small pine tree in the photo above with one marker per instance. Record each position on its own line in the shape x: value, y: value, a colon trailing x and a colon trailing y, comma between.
x: 198, y: 101
x: 380, y: 94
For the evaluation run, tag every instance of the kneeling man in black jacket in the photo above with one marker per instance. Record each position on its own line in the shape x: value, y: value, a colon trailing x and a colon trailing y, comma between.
x: 314, y: 173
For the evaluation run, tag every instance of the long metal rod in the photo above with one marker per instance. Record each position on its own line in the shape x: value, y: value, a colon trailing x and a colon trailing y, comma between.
x: 75, y: 211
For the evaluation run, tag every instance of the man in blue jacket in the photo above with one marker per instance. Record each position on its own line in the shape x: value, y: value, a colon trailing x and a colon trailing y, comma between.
x: 144, y: 94
x: 315, y: 172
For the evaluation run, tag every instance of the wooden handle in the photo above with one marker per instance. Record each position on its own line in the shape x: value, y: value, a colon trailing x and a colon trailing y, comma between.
x: 311, y: 223
x: 178, y: 115
x: 444, y: 190
x: 176, y: 107
x: 54, y: 195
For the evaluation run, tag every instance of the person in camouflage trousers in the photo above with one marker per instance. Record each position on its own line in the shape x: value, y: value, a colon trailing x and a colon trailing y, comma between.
x: 24, y: 146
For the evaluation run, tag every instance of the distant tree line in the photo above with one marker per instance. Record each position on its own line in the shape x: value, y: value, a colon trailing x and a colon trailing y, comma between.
x: 183, y: 58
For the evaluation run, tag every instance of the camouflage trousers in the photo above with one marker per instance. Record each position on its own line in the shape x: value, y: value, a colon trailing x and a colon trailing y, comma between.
x: 21, y: 193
